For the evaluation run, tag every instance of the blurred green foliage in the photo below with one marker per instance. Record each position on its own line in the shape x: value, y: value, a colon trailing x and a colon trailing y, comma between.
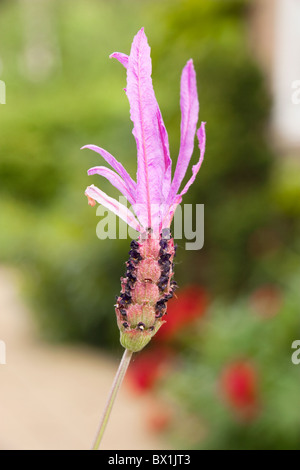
x: 47, y: 227
x: 239, y: 332
x: 251, y: 199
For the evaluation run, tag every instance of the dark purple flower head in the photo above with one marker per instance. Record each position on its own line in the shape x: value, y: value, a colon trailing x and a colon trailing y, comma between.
x: 154, y: 196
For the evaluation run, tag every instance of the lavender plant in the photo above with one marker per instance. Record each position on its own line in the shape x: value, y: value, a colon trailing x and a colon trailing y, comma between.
x: 148, y: 282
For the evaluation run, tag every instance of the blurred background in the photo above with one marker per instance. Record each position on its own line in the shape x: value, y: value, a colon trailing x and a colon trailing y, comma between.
x: 219, y: 374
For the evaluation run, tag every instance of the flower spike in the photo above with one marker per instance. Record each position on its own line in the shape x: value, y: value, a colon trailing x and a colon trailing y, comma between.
x: 147, y: 284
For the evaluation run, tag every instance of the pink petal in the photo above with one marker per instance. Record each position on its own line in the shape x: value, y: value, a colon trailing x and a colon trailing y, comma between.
x: 167, y: 159
x: 170, y: 209
x: 189, y: 105
x: 202, y: 140
x: 169, y: 212
x: 94, y: 193
x: 143, y: 113
x: 115, y: 165
x: 122, y: 58
x: 114, y: 179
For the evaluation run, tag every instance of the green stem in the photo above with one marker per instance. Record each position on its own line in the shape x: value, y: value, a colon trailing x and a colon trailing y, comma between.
x: 113, y: 393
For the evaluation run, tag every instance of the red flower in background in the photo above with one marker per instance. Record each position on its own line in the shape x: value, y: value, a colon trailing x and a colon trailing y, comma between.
x: 150, y: 365
x: 158, y: 415
x: 190, y: 303
x: 239, y: 388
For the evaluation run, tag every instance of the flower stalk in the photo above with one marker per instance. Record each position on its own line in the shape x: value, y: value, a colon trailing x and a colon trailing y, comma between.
x: 112, y: 396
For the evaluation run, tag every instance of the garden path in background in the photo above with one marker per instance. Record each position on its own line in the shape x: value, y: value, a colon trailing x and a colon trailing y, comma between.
x: 52, y: 396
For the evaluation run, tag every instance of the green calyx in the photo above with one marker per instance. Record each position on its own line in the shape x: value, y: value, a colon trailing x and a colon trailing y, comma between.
x: 135, y: 340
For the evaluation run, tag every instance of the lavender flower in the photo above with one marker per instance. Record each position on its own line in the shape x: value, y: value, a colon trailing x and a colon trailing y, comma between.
x: 148, y: 285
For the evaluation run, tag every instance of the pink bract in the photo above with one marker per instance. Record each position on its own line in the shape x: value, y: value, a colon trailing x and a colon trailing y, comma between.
x: 154, y: 196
